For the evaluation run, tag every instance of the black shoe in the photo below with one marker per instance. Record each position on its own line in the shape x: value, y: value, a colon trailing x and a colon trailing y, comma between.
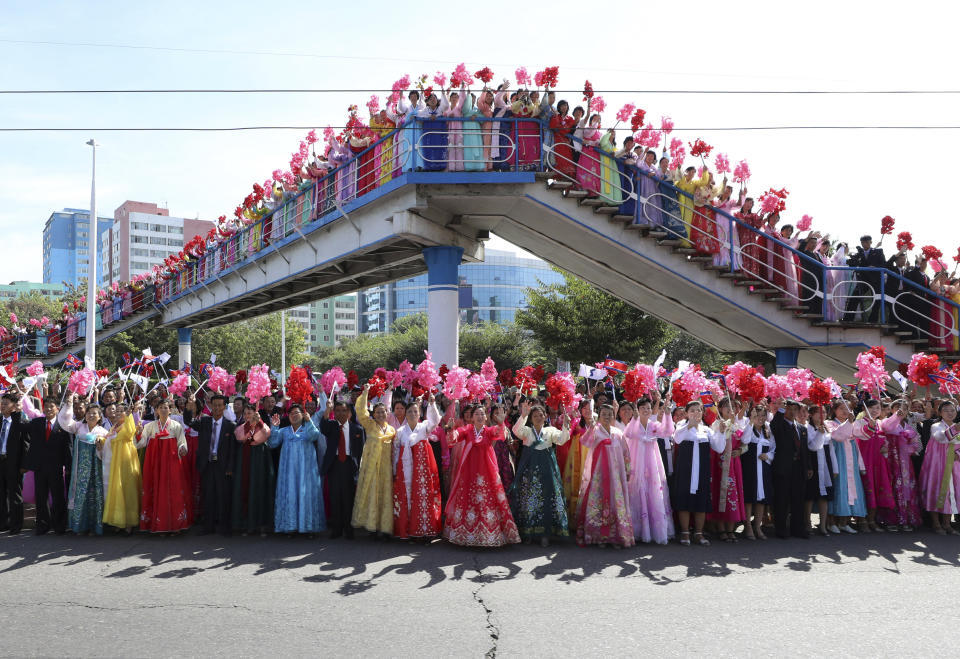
x: 335, y: 534
x: 204, y: 532
x: 40, y: 531
x: 14, y: 531
x: 349, y: 534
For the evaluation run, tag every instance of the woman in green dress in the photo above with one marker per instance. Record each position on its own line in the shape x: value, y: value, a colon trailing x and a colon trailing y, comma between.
x: 254, y: 480
x: 536, y: 495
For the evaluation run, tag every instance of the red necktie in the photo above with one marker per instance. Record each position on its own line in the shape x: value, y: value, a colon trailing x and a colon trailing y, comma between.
x: 49, y: 430
x: 342, y: 448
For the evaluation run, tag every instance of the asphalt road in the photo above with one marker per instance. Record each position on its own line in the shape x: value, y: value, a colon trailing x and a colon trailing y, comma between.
x: 876, y: 595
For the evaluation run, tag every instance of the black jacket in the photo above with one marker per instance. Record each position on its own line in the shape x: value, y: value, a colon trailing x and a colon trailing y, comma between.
x: 875, y: 259
x: 331, y: 430
x: 226, y: 449
x: 791, y: 443
x: 18, y: 443
x: 46, y: 454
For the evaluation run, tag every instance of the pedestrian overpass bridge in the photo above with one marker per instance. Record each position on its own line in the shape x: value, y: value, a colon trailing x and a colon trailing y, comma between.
x: 379, y: 218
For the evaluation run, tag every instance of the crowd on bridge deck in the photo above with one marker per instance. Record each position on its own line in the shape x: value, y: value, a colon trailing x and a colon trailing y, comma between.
x: 485, y: 459
x: 448, y: 127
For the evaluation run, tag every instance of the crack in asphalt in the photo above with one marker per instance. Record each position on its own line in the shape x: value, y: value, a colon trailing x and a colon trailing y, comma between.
x: 492, y: 629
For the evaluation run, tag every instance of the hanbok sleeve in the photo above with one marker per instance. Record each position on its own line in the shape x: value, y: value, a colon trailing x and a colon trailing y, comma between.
x: 148, y: 432
x: 891, y: 425
x: 29, y: 410
x: 363, y: 415
x: 65, y: 419
x: 277, y: 436
x: 835, y: 460
x: 181, y: 437
x: 433, y: 417
x: 772, y: 451
x: 311, y: 432
x: 589, y: 438
x: 718, y: 440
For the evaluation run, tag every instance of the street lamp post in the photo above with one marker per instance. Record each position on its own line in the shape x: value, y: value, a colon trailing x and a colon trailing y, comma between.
x: 93, y: 245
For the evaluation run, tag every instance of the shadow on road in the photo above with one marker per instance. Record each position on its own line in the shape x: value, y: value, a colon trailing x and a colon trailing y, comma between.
x: 357, y: 566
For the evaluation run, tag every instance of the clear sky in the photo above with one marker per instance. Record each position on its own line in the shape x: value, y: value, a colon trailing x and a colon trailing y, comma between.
x: 846, y: 179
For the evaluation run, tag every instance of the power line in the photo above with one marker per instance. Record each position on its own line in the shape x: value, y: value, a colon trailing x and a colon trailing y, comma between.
x: 364, y: 58
x: 767, y: 92
x: 202, y: 129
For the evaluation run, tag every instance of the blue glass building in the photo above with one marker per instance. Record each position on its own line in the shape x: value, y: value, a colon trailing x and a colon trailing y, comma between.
x: 491, y: 291
x: 67, y: 243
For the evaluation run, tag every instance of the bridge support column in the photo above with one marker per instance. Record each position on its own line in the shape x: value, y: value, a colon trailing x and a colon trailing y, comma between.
x: 184, y: 338
x: 443, y: 308
x: 786, y: 359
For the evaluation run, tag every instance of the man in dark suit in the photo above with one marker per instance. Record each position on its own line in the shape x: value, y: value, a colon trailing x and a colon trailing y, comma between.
x: 868, y: 283
x: 918, y: 302
x: 341, y: 464
x: 894, y: 287
x: 216, y: 452
x: 791, y: 469
x: 47, y: 457
x: 14, y: 443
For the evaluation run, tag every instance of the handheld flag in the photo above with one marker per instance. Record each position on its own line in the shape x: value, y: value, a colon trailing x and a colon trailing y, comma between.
x: 611, y: 364
x: 72, y: 362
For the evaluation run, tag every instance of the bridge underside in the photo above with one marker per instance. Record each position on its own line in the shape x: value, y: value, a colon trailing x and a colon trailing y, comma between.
x: 379, y: 243
x: 381, y: 240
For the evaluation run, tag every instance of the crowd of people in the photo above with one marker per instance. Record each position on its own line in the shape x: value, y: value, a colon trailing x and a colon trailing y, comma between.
x: 502, y: 461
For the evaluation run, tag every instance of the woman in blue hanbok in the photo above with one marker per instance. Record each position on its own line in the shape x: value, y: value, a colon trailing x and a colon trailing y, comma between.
x: 299, y: 500
x: 86, y: 493
x: 473, y: 159
x: 433, y: 141
x: 407, y: 157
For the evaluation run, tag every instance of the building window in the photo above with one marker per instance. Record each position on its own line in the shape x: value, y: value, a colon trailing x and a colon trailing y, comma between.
x: 326, y: 338
x: 175, y: 229
x: 140, y: 239
x: 157, y: 241
x: 326, y: 316
x: 159, y: 228
x: 140, y: 226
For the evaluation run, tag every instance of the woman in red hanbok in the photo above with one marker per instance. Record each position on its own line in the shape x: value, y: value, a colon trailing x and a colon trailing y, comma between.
x: 603, y: 511
x: 367, y: 170
x: 416, y: 487
x: 527, y: 133
x: 477, y: 512
x: 703, y: 233
x: 726, y: 472
x: 563, y: 125
x: 166, y: 493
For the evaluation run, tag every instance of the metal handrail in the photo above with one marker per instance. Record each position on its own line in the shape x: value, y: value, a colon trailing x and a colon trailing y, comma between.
x: 815, y: 292
x: 628, y: 194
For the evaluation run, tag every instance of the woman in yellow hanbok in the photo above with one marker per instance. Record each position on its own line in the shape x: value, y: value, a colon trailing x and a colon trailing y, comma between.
x: 689, y: 184
x: 122, y: 504
x: 373, y: 504
x: 576, y: 453
x: 610, y: 191
x: 382, y: 124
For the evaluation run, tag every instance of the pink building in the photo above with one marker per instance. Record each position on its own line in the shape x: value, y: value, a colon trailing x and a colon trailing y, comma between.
x: 143, y: 234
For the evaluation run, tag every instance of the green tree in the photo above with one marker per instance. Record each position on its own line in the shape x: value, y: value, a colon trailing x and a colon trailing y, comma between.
x: 510, y: 346
x: 31, y: 305
x: 577, y: 322
x: 237, y: 345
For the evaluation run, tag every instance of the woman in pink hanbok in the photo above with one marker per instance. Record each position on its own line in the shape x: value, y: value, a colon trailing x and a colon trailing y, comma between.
x: 588, y: 165
x: 650, y: 511
x: 603, y: 512
x: 940, y: 473
x: 873, y: 448
x: 902, y: 443
x: 727, y: 227
x: 455, y: 131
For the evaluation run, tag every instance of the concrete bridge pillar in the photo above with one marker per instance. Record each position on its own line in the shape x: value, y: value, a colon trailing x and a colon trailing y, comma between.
x: 184, y: 338
x: 786, y: 359
x: 443, y: 308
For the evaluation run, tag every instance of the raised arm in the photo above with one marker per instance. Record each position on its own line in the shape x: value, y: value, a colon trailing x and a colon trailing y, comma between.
x: 433, y: 416
x: 363, y: 415
x: 65, y: 416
